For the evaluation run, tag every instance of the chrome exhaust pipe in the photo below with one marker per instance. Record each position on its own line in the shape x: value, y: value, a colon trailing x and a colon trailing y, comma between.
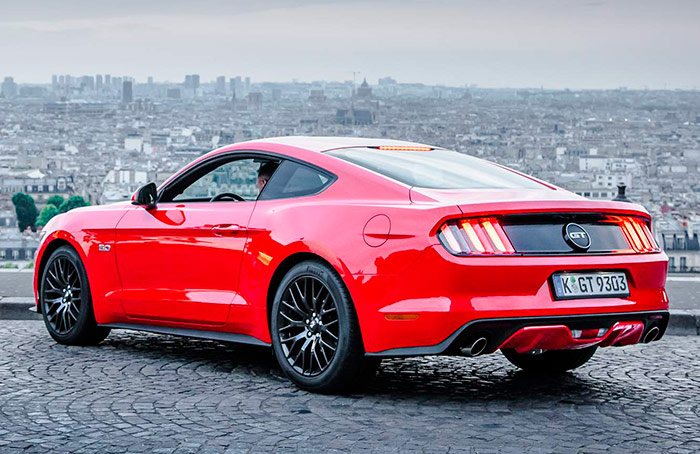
x: 476, y: 348
x: 651, y: 335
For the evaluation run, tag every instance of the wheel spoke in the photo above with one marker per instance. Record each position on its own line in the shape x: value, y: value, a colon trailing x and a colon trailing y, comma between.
x: 291, y: 319
x: 56, y: 281
x: 59, y: 273
x: 335, y: 338
x: 301, y: 335
x: 323, y: 352
x: 70, y: 313
x: 303, y: 298
x: 294, y: 308
x: 328, y: 345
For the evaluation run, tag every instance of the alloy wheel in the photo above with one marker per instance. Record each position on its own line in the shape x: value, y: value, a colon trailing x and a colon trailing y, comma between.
x: 62, y: 295
x: 308, y: 327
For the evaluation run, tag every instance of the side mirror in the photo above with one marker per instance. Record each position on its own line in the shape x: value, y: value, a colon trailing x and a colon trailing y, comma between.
x: 146, y: 196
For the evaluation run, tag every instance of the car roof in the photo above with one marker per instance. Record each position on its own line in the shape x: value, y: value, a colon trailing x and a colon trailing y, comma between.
x: 321, y: 144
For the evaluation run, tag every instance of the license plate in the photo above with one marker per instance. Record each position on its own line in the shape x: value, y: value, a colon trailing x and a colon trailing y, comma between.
x: 589, y: 285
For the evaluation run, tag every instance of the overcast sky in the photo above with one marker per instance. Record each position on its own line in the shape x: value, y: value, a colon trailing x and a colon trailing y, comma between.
x: 492, y: 43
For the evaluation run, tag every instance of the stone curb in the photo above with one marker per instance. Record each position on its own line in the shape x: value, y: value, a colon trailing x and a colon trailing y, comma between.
x: 17, y: 308
x: 682, y: 323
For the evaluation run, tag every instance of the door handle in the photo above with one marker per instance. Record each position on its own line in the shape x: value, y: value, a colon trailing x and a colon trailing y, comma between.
x: 227, y: 229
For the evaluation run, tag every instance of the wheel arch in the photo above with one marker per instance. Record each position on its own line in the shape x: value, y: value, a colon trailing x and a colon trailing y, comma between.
x: 282, y: 269
x: 286, y: 265
x: 49, y: 249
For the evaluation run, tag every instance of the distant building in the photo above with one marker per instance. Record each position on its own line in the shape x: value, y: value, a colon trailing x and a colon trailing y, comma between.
x: 354, y: 117
x: 87, y: 83
x: 133, y: 142
x: 77, y: 108
x: 9, y: 88
x: 37, y: 184
x: 364, y: 91
x: 255, y: 100
x: 386, y: 81
x: 191, y: 85
x: 8, y: 219
x: 127, y: 92
x: 174, y: 93
x: 317, y: 95
x: 221, y: 85
x: 679, y: 239
x: 32, y: 92
x: 18, y: 247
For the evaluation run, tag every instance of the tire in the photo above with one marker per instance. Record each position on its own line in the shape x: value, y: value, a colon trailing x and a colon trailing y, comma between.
x: 315, y: 334
x: 66, y: 302
x: 551, y: 362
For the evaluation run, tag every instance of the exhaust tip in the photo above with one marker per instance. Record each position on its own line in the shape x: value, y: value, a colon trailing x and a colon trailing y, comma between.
x: 476, y: 348
x: 651, y: 335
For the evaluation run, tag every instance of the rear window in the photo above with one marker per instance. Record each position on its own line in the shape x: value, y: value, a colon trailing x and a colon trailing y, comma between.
x: 437, y: 169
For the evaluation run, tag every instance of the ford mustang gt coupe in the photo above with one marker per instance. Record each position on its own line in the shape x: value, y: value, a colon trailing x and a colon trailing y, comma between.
x: 338, y: 252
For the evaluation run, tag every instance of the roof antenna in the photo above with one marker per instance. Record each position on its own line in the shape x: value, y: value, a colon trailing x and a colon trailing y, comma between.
x: 621, y: 189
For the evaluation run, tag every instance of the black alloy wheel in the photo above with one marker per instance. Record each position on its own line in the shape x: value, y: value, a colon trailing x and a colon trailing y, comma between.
x: 308, y: 325
x: 62, y: 295
x: 66, y: 302
x: 315, y: 333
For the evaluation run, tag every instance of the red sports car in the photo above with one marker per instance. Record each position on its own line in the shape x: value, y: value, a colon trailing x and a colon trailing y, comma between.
x: 338, y: 252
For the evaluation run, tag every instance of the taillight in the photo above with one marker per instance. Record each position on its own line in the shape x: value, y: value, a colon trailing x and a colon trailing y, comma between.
x: 475, y: 236
x: 637, y: 234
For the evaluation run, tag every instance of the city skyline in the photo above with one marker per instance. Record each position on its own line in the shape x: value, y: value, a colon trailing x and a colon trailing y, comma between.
x: 576, y: 44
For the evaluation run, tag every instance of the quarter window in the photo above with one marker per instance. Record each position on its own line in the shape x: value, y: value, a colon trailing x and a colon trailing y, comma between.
x: 295, y: 180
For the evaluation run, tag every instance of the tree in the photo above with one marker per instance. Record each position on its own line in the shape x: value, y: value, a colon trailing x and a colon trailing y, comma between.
x: 74, y: 202
x: 55, y: 200
x: 46, y: 214
x: 26, y: 211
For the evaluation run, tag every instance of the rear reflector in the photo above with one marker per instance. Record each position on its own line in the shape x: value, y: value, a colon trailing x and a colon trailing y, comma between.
x: 401, y: 316
x: 476, y: 236
x: 402, y: 148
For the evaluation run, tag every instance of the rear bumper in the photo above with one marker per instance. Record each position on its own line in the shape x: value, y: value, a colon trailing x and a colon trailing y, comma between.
x: 436, y: 296
x: 526, y: 334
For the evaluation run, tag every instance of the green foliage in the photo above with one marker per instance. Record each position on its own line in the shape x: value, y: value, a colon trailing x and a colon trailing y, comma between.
x: 55, y: 200
x: 74, y: 202
x: 26, y: 211
x: 46, y: 214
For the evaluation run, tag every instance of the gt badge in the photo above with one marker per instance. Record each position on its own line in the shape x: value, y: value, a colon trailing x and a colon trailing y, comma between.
x: 577, y: 237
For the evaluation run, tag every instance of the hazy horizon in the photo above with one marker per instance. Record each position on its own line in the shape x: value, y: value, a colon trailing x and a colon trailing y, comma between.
x: 576, y: 44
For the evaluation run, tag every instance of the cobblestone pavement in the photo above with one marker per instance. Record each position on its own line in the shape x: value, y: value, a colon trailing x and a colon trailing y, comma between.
x: 146, y: 393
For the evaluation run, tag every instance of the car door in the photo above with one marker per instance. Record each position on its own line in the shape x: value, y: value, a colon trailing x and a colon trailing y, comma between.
x: 180, y: 261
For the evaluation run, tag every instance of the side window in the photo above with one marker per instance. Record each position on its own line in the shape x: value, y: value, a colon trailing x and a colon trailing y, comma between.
x: 222, y: 180
x: 295, y: 180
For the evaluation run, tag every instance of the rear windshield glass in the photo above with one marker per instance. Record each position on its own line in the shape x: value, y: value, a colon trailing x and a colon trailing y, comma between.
x: 437, y: 169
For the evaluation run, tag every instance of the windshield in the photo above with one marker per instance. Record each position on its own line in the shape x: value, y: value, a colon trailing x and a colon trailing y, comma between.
x: 436, y: 169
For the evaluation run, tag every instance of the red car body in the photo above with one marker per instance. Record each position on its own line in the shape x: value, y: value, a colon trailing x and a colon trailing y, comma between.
x: 212, y: 268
